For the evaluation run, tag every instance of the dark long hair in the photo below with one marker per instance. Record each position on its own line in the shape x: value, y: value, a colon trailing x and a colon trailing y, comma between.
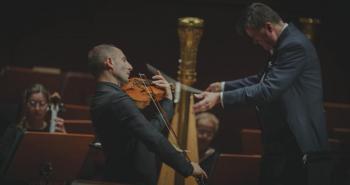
x: 36, y: 88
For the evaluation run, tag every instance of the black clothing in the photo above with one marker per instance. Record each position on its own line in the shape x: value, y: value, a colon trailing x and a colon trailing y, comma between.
x: 129, y: 140
x: 289, y: 99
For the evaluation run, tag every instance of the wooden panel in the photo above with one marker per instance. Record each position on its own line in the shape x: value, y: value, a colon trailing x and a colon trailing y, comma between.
x: 251, y: 141
x: 17, y: 79
x: 65, y: 153
x: 343, y: 135
x: 77, y: 88
x: 236, y: 169
x: 76, y: 112
x: 337, y: 115
x: 79, y: 126
x: 89, y: 182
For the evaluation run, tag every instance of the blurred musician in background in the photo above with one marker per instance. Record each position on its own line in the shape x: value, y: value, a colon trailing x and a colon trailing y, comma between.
x: 36, y: 110
x: 35, y: 115
x: 207, y: 127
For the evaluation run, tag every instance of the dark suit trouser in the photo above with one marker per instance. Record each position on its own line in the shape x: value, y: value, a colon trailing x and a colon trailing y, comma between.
x: 319, y: 170
x: 290, y: 170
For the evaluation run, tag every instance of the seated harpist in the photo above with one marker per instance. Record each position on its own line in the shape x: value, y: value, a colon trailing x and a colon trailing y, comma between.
x: 207, y: 126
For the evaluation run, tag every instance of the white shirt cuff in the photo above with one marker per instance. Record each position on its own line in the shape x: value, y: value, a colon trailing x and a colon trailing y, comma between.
x: 222, y: 99
x: 222, y: 86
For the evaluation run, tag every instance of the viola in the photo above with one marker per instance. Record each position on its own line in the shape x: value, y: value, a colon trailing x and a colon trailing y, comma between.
x: 142, y: 91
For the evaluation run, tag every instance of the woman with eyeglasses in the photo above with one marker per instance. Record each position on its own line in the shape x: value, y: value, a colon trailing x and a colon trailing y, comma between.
x: 34, y: 116
x: 36, y: 110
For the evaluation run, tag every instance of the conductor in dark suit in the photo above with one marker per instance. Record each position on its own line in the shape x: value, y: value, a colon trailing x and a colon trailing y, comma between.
x: 130, y: 142
x: 288, y: 98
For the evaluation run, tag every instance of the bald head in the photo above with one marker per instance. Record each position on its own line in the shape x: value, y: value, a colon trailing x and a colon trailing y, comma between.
x: 99, y: 54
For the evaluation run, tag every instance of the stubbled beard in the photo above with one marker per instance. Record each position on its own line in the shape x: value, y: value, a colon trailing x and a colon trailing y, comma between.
x: 121, y: 80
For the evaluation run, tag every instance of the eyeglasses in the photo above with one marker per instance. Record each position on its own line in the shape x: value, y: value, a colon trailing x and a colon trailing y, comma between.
x: 208, y: 133
x: 34, y: 104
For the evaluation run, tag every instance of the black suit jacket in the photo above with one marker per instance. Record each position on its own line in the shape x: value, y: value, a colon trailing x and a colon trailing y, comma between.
x: 129, y: 140
x: 288, y: 94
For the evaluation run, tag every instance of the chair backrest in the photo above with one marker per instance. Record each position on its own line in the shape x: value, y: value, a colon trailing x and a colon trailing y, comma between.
x: 16, y: 79
x: 337, y: 115
x: 251, y: 141
x: 77, y: 88
x: 76, y: 112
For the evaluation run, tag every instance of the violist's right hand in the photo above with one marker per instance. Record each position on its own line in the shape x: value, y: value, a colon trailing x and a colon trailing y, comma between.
x: 198, y: 171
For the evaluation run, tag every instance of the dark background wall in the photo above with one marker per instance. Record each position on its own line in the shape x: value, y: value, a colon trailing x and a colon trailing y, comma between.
x: 59, y: 34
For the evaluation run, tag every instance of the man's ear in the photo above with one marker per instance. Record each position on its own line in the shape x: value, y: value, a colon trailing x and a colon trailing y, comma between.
x: 108, y: 63
x: 268, y: 26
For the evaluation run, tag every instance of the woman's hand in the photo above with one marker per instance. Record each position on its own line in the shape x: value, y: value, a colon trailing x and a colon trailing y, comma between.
x: 60, y: 125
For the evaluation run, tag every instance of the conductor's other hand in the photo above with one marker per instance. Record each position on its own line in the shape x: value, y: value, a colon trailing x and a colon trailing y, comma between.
x: 214, y: 87
x: 198, y: 171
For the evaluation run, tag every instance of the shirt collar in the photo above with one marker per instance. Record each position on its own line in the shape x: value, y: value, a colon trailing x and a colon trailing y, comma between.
x: 283, y: 28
